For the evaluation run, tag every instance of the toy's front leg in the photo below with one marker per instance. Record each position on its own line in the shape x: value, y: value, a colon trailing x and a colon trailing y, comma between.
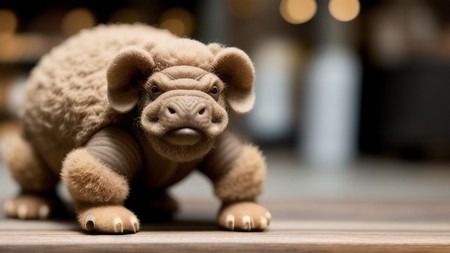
x: 97, y: 176
x: 238, y: 189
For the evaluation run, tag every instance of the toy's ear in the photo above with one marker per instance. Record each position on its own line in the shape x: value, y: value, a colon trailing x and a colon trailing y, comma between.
x: 236, y: 70
x: 123, y: 74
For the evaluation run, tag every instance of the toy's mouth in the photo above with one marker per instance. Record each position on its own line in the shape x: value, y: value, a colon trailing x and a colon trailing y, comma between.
x: 184, y: 136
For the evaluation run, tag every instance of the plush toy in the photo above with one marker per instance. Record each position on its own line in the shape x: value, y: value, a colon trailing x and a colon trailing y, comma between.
x: 122, y: 112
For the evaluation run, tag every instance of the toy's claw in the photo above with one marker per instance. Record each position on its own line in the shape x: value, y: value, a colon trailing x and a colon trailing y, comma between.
x: 22, y: 211
x: 134, y: 221
x: 44, y: 212
x: 230, y: 222
x: 263, y: 223
x: 247, y: 223
x: 118, y: 226
x: 90, y: 222
x: 268, y: 217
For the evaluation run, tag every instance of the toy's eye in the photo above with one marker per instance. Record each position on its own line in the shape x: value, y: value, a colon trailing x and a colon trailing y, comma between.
x: 214, y: 90
x: 155, y: 90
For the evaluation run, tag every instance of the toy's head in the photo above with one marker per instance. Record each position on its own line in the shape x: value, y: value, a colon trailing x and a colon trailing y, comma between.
x: 182, y: 91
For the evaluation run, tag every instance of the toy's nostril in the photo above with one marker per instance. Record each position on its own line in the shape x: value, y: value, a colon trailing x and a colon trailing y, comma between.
x: 202, y: 111
x: 216, y: 120
x: 171, y: 110
x: 152, y: 118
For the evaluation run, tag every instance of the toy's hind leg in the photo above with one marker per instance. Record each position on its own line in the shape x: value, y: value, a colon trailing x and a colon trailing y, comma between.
x: 37, y: 199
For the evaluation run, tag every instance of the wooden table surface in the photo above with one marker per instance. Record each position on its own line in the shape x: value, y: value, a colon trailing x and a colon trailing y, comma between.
x: 298, y: 225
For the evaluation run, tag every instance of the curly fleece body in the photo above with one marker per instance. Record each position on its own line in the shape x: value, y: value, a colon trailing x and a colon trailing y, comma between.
x: 69, y: 85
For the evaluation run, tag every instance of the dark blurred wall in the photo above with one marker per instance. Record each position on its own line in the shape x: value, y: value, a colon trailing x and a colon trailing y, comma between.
x: 405, y: 100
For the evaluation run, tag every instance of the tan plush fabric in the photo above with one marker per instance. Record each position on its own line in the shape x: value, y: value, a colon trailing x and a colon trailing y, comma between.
x: 65, y: 99
x: 130, y: 109
x: 182, y: 52
x: 26, y: 168
x: 234, y: 67
x: 245, y: 179
x: 90, y: 182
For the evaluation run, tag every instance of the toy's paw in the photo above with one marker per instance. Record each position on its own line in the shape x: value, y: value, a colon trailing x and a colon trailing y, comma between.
x: 27, y: 206
x: 244, y: 216
x: 108, y: 219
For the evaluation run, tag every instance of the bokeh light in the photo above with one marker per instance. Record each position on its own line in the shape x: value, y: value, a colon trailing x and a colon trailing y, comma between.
x: 298, y: 11
x: 344, y: 10
x: 76, y: 20
x: 178, y: 21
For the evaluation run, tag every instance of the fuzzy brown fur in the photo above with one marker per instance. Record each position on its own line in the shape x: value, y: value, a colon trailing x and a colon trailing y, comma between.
x: 69, y: 87
x: 124, y: 110
x: 245, y: 181
x: 91, y: 182
x: 20, y: 157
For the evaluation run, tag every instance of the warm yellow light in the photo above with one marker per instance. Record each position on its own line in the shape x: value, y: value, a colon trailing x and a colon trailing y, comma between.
x: 298, y: 11
x: 178, y: 21
x: 344, y: 10
x: 8, y: 21
x: 77, y: 19
x: 126, y: 15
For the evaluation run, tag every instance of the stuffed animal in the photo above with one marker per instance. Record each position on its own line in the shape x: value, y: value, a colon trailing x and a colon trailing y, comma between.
x: 122, y: 112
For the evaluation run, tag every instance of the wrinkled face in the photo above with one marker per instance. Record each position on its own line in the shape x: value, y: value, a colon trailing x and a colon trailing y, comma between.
x: 182, y: 100
x: 183, y: 112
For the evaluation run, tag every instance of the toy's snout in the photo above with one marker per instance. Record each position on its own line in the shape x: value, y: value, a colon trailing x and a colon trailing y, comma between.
x: 189, y: 116
x: 189, y: 111
x: 184, y: 117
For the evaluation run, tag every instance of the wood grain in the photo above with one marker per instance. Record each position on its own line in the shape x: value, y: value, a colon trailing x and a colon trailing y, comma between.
x: 299, y: 225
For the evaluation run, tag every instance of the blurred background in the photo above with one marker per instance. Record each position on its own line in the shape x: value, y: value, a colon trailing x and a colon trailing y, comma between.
x: 353, y: 97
